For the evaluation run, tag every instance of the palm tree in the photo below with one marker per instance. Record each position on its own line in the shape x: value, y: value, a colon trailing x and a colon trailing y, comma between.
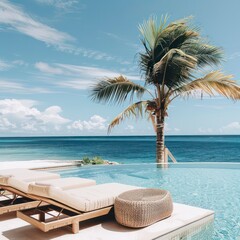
x: 173, y: 56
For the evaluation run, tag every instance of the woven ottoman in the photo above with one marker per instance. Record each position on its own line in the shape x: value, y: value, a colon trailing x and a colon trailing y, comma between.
x: 142, y: 207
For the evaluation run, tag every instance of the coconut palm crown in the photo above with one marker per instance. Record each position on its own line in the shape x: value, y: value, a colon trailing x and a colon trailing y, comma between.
x: 173, y: 54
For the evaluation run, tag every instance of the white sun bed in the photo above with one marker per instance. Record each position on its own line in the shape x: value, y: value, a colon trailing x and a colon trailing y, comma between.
x: 26, y: 175
x: 58, y: 183
x: 18, y: 182
x: 72, y: 206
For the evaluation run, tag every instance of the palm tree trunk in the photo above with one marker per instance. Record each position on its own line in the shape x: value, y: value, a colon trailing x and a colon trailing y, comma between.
x: 160, y: 139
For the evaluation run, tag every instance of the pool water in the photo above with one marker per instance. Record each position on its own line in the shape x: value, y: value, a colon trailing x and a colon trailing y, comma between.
x: 211, y: 186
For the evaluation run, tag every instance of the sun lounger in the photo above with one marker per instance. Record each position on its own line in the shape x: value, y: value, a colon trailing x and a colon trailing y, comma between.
x: 17, y: 185
x: 69, y: 207
x: 12, y: 199
x: 26, y: 175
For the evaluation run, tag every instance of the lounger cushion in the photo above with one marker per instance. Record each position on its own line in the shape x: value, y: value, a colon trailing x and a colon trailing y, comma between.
x: 89, y: 198
x: 60, y: 183
x: 42, y: 188
x: 25, y: 175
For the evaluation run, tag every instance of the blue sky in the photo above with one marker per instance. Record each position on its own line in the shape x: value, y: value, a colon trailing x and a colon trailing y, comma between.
x: 53, y: 50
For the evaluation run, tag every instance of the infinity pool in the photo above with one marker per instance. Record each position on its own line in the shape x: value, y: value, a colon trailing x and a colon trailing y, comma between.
x: 212, y: 186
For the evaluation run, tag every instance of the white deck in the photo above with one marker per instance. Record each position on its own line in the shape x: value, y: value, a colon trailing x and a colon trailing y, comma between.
x: 38, y: 164
x: 183, y: 218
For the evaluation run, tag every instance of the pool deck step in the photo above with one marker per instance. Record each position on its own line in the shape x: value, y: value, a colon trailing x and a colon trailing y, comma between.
x: 185, y: 220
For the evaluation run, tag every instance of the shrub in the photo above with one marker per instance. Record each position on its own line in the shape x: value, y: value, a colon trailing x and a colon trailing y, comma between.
x: 86, y: 160
x: 97, y: 160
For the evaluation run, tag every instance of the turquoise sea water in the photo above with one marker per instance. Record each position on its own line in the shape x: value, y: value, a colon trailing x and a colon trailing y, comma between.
x: 212, y: 186
x: 140, y: 149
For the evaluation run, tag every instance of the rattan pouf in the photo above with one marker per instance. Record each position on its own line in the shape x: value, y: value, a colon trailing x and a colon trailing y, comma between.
x: 142, y: 207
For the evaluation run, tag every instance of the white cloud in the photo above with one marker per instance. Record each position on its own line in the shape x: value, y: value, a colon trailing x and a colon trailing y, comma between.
x: 78, y: 84
x: 233, y: 127
x: 137, y: 47
x: 93, y: 71
x: 46, y: 68
x: 4, y: 65
x: 205, y: 131
x: 96, y: 122
x: 129, y: 127
x: 20, y: 63
x: 77, y: 76
x: 10, y: 86
x: 15, y: 17
x: 233, y: 56
x: 65, y: 5
x: 171, y: 130
x: 5, y: 124
x: 21, y: 115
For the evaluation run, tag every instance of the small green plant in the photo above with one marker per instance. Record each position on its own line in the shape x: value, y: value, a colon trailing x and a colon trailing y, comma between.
x: 94, y: 161
x: 86, y: 160
x: 97, y: 160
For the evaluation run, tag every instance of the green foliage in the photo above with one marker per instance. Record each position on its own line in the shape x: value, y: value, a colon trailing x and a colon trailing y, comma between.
x: 178, y: 50
x: 86, y: 160
x: 116, y: 89
x: 95, y: 160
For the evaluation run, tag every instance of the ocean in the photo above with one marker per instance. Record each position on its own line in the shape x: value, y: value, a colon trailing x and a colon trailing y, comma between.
x: 124, y: 149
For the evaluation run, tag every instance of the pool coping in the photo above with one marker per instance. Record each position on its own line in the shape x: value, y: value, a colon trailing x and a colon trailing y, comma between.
x: 185, y: 220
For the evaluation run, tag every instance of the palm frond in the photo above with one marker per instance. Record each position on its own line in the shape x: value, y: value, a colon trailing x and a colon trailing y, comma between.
x: 174, y: 68
x: 135, y: 110
x: 159, y: 41
x: 150, y: 30
x: 116, y: 90
x: 174, y: 36
x: 212, y: 84
x: 206, y: 54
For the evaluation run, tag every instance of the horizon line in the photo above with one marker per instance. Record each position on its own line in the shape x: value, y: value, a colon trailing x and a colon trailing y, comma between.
x: 180, y: 135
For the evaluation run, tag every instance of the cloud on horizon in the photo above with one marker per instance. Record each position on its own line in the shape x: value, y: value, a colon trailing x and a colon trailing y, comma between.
x: 233, y: 127
x: 95, y: 122
x: 21, y: 116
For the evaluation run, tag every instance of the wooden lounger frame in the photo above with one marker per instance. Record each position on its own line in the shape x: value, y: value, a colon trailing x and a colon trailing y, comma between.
x: 14, y: 200
x: 65, y: 215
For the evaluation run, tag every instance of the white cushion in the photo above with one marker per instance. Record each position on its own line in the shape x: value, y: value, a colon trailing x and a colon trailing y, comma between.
x: 89, y: 198
x: 25, y: 175
x: 42, y: 188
